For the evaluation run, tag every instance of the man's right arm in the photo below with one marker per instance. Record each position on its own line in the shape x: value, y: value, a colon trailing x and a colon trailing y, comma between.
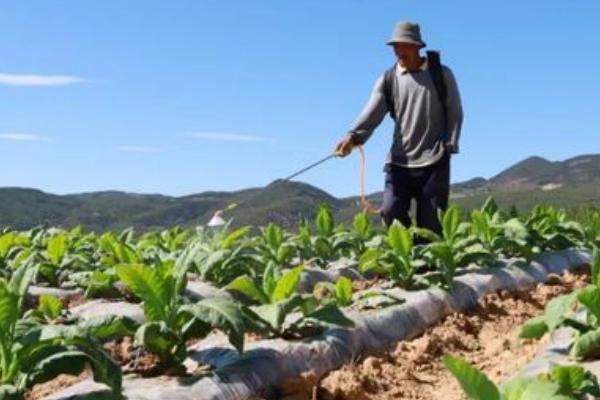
x: 371, y: 115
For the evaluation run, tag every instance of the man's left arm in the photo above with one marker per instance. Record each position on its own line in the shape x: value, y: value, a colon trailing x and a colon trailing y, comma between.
x: 454, y: 111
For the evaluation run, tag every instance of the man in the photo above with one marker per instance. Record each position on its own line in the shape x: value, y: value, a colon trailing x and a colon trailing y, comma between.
x: 425, y: 133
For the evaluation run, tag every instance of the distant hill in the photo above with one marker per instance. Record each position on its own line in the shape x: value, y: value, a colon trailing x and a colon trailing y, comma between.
x: 570, y: 183
x: 539, y: 173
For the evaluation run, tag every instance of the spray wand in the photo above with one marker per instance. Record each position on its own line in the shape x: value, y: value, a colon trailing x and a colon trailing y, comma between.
x: 218, y: 220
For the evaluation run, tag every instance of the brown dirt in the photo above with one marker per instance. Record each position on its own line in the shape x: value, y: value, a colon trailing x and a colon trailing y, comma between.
x: 74, y: 301
x: 486, y: 336
x: 364, y: 284
x: 131, y: 359
x: 60, y: 382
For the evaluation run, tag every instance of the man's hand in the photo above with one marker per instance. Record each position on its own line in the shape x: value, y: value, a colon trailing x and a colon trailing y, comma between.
x: 450, y: 148
x: 344, y: 147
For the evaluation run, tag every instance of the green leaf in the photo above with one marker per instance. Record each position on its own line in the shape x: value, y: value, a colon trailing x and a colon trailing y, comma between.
x: 534, y: 328
x: 543, y: 390
x: 274, y: 314
x: 442, y: 252
x: 587, y: 345
x: 578, y: 325
x: 425, y: 233
x: 9, y: 392
x: 286, y: 285
x: 245, y: 285
x: 72, y: 362
x: 157, y: 338
x: 590, y: 298
x: 234, y: 236
x: 148, y: 284
x: 104, y: 368
x: 9, y: 311
x: 515, y: 229
x: 490, y: 207
x: 343, y: 291
x: 269, y: 281
x: 108, y: 327
x: 596, y: 266
x: 369, y: 261
x: 50, y: 306
x: 400, y: 239
x: 570, y: 378
x: 101, y: 284
x: 557, y: 308
x: 475, y: 384
x: 284, y: 253
x: 361, y: 224
x: 57, y: 248
x: 324, y: 221
x: 30, y: 352
x: 450, y: 222
x: 480, y: 225
x: 21, y: 279
x: 223, y: 314
x: 329, y: 316
x: 274, y: 236
x: 514, y: 389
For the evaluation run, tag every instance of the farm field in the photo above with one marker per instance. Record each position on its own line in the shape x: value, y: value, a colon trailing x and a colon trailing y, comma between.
x: 327, y: 311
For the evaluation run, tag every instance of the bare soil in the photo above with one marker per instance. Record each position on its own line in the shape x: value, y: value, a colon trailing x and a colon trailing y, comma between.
x: 60, y: 382
x: 131, y: 359
x: 413, y: 370
x: 364, y: 284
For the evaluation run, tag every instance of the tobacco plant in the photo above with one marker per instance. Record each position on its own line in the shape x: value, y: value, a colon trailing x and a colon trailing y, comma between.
x: 220, y: 256
x: 397, y: 261
x: 454, y: 248
x: 497, y: 236
x: 561, y: 312
x: 563, y: 382
x: 281, y: 310
x: 552, y: 230
x: 326, y: 244
x: 171, y: 319
x: 32, y: 352
x: 359, y: 238
x: 338, y: 293
x: 273, y: 246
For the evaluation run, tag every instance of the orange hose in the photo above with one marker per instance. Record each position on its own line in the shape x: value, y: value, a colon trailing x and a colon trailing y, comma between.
x: 363, y: 197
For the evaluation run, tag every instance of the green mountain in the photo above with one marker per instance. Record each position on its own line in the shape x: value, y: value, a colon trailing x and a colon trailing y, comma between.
x: 571, y: 183
x: 539, y: 173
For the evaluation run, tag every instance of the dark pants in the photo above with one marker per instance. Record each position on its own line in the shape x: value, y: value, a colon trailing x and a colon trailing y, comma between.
x: 429, y: 186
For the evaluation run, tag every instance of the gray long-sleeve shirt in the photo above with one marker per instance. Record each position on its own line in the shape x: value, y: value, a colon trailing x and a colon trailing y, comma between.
x: 419, y: 136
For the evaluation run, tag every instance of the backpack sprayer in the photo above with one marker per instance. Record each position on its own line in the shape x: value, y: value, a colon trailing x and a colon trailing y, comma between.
x: 218, y: 220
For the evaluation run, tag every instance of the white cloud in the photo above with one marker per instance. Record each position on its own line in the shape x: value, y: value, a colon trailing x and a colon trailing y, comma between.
x: 138, y: 149
x: 39, y: 80
x: 23, y: 137
x: 229, y: 137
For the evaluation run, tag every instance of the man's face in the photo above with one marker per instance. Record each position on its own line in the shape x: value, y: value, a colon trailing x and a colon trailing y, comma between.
x: 407, y: 53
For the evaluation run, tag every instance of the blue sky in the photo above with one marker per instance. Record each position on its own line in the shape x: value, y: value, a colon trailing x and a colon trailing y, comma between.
x: 180, y: 97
